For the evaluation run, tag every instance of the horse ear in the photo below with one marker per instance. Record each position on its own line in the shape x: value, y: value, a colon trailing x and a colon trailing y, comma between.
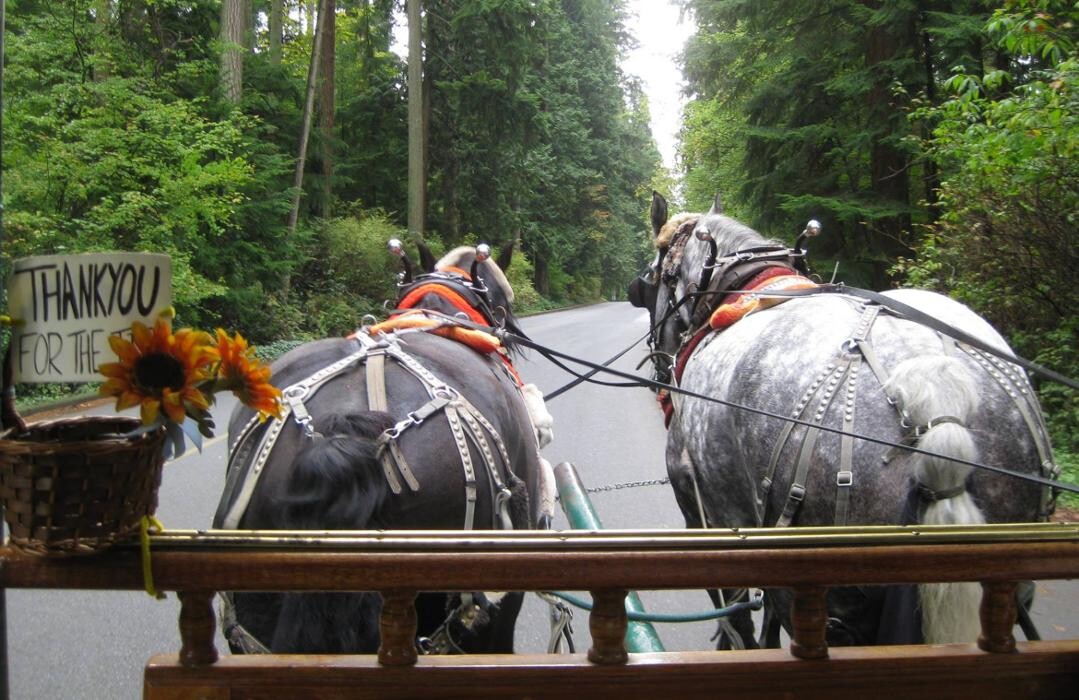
x: 505, y: 256
x: 717, y: 205
x: 427, y: 258
x: 659, y: 212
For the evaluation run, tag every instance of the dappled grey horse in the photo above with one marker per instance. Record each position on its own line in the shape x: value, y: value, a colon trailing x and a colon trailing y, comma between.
x: 841, y: 362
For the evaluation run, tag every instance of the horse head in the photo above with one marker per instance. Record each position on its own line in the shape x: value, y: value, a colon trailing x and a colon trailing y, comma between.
x: 689, y: 247
x: 659, y: 289
x: 465, y: 282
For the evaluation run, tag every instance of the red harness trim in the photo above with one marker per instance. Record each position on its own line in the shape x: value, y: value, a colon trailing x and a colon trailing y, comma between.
x: 459, y: 303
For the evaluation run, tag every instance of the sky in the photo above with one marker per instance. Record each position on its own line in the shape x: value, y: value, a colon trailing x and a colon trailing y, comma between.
x: 656, y: 25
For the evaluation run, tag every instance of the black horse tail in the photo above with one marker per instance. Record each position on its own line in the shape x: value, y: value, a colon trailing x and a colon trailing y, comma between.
x: 939, y: 395
x: 336, y: 484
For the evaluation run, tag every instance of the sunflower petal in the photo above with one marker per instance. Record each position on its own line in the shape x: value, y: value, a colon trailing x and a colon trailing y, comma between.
x: 149, y: 411
x: 173, y: 406
x: 124, y: 349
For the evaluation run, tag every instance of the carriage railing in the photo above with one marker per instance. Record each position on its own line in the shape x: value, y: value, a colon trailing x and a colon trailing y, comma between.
x: 607, y: 563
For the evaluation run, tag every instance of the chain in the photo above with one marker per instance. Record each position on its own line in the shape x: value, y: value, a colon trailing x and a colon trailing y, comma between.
x: 628, y: 485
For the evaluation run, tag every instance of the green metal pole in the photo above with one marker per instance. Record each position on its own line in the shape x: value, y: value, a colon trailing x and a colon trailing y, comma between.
x: 640, y: 636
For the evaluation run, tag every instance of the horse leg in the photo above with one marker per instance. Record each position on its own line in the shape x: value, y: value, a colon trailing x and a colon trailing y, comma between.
x: 770, y: 627
x: 476, y: 624
x: 736, y: 631
x: 503, y: 613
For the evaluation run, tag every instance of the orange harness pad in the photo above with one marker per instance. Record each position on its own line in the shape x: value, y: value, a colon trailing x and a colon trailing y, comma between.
x: 477, y: 340
x: 726, y: 314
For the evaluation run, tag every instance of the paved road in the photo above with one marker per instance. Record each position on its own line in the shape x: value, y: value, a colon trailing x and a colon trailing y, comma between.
x: 93, y: 645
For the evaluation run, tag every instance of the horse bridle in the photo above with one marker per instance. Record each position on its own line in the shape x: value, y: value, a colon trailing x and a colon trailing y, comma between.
x: 710, y: 285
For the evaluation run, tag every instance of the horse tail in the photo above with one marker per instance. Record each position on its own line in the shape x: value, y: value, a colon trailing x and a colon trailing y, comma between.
x: 335, y: 484
x: 938, y: 394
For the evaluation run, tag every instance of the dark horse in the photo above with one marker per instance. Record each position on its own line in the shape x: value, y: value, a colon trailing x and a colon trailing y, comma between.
x: 398, y: 428
x: 835, y: 361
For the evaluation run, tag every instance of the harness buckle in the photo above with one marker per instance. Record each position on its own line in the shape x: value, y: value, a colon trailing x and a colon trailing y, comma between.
x: 294, y: 396
x: 844, y: 478
x: 797, y: 492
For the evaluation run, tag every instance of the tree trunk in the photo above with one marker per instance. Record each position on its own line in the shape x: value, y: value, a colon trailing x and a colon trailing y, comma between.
x: 932, y: 176
x: 305, y: 129
x: 102, y: 18
x: 310, y: 16
x: 233, y: 23
x: 541, y: 278
x: 888, y: 165
x: 326, y: 102
x: 416, y: 178
x: 276, y: 20
x: 251, y: 23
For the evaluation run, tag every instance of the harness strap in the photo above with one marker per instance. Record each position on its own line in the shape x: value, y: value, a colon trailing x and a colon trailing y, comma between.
x: 832, y: 370
x: 234, y: 632
x: 1015, y: 384
x: 828, y: 384
x: 375, y: 369
x: 454, y: 420
x: 796, y: 493
x: 844, y: 478
x: 781, y: 442
x: 294, y: 396
x: 465, y: 421
x: 472, y: 420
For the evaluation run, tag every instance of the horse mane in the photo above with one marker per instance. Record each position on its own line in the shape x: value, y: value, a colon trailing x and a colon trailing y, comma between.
x: 673, y: 224
x: 732, y: 235
x: 462, y: 255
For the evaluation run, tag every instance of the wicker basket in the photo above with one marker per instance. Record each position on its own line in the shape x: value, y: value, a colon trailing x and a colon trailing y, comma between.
x: 76, y: 486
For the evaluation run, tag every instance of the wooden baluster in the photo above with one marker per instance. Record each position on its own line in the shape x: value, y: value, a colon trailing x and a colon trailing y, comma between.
x: 809, y: 618
x: 998, y: 612
x: 397, y: 629
x: 197, y: 626
x: 607, y: 623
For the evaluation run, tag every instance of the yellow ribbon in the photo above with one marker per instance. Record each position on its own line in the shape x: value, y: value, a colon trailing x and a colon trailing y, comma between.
x: 149, y: 521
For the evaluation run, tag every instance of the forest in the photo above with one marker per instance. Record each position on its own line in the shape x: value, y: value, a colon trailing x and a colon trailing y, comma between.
x: 935, y: 140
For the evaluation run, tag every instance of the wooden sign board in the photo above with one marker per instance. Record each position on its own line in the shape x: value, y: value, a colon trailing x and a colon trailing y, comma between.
x: 64, y: 307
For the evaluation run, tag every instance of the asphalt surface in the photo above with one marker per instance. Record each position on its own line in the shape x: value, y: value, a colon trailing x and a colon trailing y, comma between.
x: 93, y: 645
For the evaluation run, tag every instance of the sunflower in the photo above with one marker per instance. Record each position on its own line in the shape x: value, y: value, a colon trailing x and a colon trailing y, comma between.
x: 159, y: 371
x: 245, y: 375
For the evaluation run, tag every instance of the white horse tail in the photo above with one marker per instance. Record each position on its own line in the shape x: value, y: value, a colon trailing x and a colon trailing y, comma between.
x: 937, y: 394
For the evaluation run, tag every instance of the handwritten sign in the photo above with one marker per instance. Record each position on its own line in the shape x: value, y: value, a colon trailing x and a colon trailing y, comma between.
x: 66, y: 306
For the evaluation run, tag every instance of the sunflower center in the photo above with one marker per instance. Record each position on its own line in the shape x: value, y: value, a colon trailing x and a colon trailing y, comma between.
x: 159, y: 371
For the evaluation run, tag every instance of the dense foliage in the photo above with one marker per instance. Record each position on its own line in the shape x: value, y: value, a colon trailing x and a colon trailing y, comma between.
x: 125, y: 129
x: 935, y: 139
x: 1008, y: 146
